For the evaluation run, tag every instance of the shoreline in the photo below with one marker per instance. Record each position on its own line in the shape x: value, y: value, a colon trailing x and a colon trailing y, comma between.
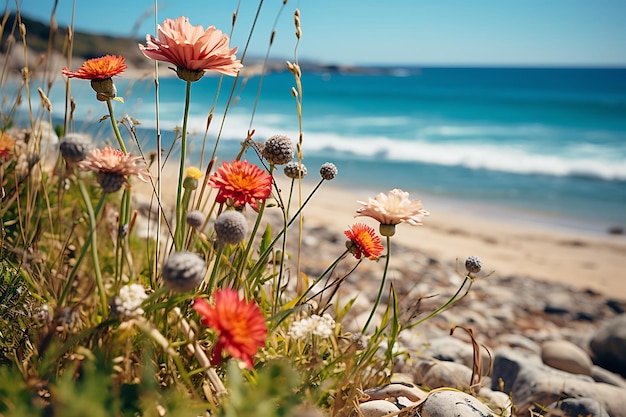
x: 508, y: 245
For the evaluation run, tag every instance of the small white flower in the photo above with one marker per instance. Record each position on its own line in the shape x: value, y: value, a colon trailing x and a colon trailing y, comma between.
x: 322, y: 326
x: 128, y: 302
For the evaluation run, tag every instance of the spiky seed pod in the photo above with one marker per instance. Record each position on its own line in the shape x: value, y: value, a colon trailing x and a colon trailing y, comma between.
x: 295, y: 170
x: 328, y: 171
x: 231, y: 227
x: 195, y: 219
x: 278, y: 150
x: 110, y: 182
x: 183, y: 271
x: 74, y: 147
x: 473, y: 265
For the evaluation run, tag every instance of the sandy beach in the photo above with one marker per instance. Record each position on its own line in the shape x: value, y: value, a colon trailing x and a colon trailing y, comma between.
x: 506, y: 245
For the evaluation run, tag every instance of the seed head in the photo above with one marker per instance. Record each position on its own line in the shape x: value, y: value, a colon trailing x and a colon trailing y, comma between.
x: 183, y: 271
x: 328, y: 171
x: 195, y: 219
x: 278, y: 150
x: 110, y: 182
x: 74, y: 147
x: 473, y: 265
x: 295, y: 170
x: 231, y: 227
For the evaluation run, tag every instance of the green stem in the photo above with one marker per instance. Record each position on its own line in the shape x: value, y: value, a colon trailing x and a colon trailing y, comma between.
x: 181, y: 173
x: 83, y: 251
x: 382, y: 285
x: 267, y: 251
x: 323, y: 274
x: 455, y: 298
x: 218, y: 257
x: 118, y: 135
x: 94, y: 248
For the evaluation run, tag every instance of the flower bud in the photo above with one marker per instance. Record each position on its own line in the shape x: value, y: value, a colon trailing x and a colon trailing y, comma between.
x: 328, y: 171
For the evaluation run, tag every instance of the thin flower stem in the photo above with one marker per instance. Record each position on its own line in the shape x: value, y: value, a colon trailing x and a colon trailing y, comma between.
x: 218, y: 256
x: 382, y: 285
x: 322, y: 275
x: 83, y: 250
x: 454, y: 299
x: 118, y: 135
x: 267, y: 251
x: 183, y: 155
x: 94, y: 246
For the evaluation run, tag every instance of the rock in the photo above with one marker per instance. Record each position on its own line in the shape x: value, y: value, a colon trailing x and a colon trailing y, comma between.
x: 566, y: 356
x: 377, y: 408
x: 521, y: 342
x: 531, y: 382
x: 600, y: 374
x: 575, y: 407
x: 395, y: 390
x: 448, y: 348
x: 498, y: 401
x: 435, y: 374
x: 608, y: 345
x: 454, y: 403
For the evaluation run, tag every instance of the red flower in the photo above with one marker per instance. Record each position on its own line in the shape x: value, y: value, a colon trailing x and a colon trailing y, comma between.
x: 240, y: 325
x: 363, y: 241
x: 98, y: 68
x: 241, y: 183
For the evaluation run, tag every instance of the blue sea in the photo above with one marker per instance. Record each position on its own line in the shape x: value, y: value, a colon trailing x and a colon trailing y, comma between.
x: 543, y: 144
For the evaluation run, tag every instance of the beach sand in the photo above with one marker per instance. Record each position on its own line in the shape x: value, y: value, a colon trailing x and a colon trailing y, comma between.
x: 506, y: 245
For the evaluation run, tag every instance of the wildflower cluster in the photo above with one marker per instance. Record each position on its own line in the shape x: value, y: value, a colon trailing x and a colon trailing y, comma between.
x: 128, y: 281
x: 321, y: 326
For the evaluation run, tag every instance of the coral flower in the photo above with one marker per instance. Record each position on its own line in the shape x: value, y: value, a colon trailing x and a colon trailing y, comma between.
x: 240, y: 325
x: 112, y: 167
x: 192, y: 49
x: 363, y: 241
x: 98, y: 68
x: 6, y: 144
x: 240, y: 183
x: 393, y: 208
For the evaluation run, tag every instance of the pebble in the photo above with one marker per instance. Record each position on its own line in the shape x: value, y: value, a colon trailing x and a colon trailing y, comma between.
x: 566, y: 356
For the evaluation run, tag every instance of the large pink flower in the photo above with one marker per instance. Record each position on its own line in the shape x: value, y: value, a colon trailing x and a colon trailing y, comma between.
x: 191, y: 48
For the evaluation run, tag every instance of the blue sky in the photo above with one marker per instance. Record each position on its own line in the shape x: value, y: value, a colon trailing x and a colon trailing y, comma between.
x: 419, y: 32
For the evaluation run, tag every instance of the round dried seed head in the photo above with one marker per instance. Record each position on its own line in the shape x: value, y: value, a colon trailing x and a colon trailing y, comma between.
x: 278, y: 150
x: 110, y: 182
x: 295, y: 170
x: 473, y: 265
x: 195, y: 219
x: 231, y: 227
x: 183, y: 271
x: 75, y: 147
x: 328, y: 171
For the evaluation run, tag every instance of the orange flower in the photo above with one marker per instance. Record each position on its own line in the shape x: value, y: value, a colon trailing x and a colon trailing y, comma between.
x: 6, y: 144
x: 240, y: 183
x: 192, y: 49
x: 363, y: 241
x: 240, y: 325
x: 98, y: 68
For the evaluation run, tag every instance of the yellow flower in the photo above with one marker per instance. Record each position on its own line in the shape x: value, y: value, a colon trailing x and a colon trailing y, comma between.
x: 193, y: 172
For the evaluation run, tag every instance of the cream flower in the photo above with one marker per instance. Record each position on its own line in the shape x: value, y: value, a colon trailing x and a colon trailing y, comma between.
x: 393, y: 208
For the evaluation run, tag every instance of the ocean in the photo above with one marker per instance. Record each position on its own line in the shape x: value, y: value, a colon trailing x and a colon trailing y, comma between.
x: 544, y: 145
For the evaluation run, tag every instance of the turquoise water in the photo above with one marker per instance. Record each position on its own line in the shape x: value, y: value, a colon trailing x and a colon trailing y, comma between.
x: 549, y: 141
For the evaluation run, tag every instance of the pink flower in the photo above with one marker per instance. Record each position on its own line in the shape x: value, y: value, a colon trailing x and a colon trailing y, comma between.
x: 191, y: 49
x: 112, y: 167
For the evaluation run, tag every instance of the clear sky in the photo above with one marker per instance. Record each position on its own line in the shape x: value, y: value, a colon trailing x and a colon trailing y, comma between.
x: 419, y: 32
